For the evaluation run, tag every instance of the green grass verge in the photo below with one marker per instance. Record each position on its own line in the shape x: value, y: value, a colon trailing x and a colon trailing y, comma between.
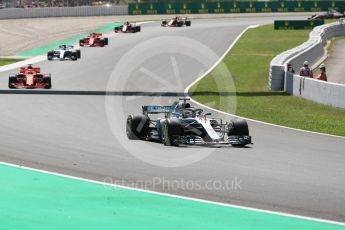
x: 6, y: 61
x: 249, y: 62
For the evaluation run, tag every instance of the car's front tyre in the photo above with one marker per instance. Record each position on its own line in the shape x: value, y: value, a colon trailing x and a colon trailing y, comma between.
x: 239, y: 133
x: 171, y: 130
x: 12, y: 80
x: 48, y: 82
x: 137, y: 127
x: 50, y: 56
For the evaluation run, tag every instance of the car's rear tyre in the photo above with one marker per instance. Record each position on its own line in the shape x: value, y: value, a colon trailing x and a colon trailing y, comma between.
x: 48, y: 82
x: 171, y: 131
x: 188, y: 23
x: 78, y: 53
x: 117, y: 29
x: 137, y: 127
x: 106, y: 41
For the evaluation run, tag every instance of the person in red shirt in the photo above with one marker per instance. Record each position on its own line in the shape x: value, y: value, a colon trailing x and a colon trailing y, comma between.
x: 322, y: 76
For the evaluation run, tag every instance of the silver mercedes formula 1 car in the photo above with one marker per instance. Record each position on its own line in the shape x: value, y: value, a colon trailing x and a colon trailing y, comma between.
x: 181, y: 124
x: 64, y: 52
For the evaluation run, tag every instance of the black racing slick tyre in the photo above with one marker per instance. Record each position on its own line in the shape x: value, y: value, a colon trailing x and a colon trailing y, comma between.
x: 171, y: 131
x: 48, y: 82
x: 137, y: 127
x: 74, y: 56
x: 11, y: 82
x: 239, y: 127
x: 188, y: 23
x: 78, y: 53
x: 106, y: 42
x: 238, y: 134
x: 117, y: 29
x: 81, y: 42
x: 50, y: 56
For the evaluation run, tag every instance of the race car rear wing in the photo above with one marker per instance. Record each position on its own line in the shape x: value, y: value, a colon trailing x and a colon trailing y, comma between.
x: 156, y: 109
x: 95, y: 35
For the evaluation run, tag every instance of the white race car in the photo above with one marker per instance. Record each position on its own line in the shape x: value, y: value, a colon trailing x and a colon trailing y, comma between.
x: 64, y: 52
x: 185, y: 125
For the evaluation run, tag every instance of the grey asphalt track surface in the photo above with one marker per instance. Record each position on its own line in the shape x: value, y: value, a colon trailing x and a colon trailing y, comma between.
x: 335, y: 62
x: 76, y: 130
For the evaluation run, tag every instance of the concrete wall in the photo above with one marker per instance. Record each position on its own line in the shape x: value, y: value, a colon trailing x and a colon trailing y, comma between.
x: 319, y: 91
x: 312, y: 50
x: 15, y: 13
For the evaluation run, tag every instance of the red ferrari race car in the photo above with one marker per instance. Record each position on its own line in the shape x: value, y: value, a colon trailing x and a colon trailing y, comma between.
x: 29, y: 77
x: 94, y: 39
x: 177, y: 22
x: 127, y: 28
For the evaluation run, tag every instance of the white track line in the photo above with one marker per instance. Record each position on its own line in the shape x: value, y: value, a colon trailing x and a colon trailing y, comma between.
x: 23, y: 63
x: 249, y: 119
x: 176, y: 196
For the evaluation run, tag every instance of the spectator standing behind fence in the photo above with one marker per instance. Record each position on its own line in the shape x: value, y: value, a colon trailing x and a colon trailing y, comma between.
x: 322, y: 76
x: 305, y: 71
x: 290, y: 68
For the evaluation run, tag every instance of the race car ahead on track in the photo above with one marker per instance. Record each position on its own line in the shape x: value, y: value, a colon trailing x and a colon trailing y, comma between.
x: 182, y: 124
x: 127, y: 28
x: 177, y: 22
x: 94, y: 39
x: 327, y: 15
x: 29, y: 77
x: 64, y: 52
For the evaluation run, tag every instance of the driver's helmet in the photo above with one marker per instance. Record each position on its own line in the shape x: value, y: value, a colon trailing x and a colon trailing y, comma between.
x: 185, y: 105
